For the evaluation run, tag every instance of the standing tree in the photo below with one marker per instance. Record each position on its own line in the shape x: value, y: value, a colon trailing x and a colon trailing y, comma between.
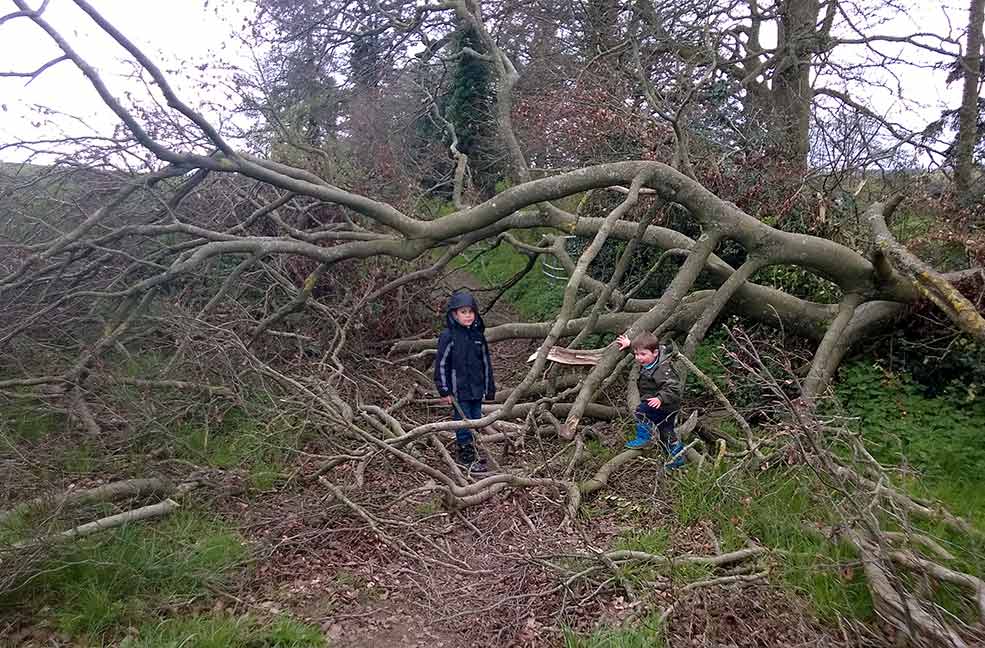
x: 968, y: 116
x: 469, y: 110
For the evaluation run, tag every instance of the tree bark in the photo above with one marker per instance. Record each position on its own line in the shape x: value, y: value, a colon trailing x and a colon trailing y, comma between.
x: 971, y: 64
x: 791, y: 93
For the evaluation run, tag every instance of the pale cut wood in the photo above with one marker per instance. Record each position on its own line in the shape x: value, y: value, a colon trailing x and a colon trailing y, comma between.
x: 561, y: 355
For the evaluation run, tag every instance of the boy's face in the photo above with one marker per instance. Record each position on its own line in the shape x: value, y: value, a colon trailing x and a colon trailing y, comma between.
x: 644, y: 356
x: 464, y: 316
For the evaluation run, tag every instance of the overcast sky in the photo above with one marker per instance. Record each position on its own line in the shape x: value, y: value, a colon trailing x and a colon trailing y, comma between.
x: 175, y: 34
x: 183, y: 34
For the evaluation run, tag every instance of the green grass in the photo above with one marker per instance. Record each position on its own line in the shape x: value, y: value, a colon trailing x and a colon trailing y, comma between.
x: 908, y: 225
x: 429, y: 507
x: 707, y: 358
x: 653, y: 540
x: 647, y: 633
x: 775, y: 511
x: 917, y: 231
x: 536, y: 297
x: 938, y: 441
x: 940, y: 444
x: 241, y: 442
x: 96, y: 586
x: 224, y: 631
x: 23, y: 523
x: 27, y: 421
x: 940, y: 437
x: 597, y: 449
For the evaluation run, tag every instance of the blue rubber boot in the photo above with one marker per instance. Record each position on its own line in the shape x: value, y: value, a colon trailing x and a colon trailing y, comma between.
x: 676, y: 457
x: 643, y: 437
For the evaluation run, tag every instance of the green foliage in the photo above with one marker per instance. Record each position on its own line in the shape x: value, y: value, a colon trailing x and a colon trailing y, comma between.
x: 599, y: 450
x: 799, y: 282
x: 923, y: 230
x: 469, y: 108
x: 653, y: 540
x: 433, y: 207
x: 707, y: 358
x: 684, y: 573
x: 225, y: 631
x: 81, y: 458
x: 114, y: 578
x: 647, y: 633
x: 470, y: 97
x: 938, y: 443
x: 26, y: 421
x: 429, y: 507
x: 940, y: 362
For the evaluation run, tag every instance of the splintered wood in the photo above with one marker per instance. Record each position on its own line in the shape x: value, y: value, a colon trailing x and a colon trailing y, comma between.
x: 561, y: 355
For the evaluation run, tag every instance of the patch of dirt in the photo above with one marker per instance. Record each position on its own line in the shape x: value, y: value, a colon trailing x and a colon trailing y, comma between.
x: 481, y: 577
x: 746, y: 617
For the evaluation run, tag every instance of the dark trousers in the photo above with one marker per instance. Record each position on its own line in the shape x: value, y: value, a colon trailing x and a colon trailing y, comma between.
x: 472, y: 410
x: 661, y: 419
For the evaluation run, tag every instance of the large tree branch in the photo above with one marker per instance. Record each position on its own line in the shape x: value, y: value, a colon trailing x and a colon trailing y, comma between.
x: 890, y: 255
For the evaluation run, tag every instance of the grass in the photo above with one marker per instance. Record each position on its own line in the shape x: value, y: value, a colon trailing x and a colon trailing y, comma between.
x: 117, y: 578
x: 225, y: 631
x: 241, y: 442
x: 936, y: 442
x: 647, y: 633
x: 917, y: 231
x: 939, y: 437
x: 536, y: 297
x: 938, y: 446
x: 653, y: 540
x: 775, y: 511
x: 24, y: 421
x: 597, y: 449
x: 429, y: 507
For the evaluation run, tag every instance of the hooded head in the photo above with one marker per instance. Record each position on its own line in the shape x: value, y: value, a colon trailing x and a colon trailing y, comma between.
x: 460, y: 299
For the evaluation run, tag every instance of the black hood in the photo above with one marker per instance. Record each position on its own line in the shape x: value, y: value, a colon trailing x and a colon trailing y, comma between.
x: 459, y: 299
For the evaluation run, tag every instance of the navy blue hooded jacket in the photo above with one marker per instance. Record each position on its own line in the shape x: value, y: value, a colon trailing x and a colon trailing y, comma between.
x: 463, y: 367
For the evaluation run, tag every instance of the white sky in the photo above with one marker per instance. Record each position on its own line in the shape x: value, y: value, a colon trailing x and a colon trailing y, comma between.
x: 182, y: 34
x: 177, y: 35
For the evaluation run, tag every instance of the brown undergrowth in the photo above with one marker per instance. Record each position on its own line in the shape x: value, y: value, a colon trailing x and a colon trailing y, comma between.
x: 477, y: 577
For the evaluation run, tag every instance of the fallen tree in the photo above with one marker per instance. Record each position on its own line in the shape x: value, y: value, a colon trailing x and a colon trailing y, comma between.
x: 238, y: 277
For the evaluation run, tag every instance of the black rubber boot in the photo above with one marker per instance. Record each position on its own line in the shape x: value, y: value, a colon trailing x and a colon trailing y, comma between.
x: 466, y: 454
x: 469, y: 459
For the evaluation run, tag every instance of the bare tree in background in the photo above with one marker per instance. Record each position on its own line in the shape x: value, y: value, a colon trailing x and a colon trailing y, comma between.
x: 968, y: 116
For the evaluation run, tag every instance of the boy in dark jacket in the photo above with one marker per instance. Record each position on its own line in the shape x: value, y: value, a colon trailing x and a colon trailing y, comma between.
x: 463, y: 370
x: 660, y: 396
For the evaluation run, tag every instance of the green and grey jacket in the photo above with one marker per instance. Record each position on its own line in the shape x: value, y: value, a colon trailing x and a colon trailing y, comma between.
x: 661, y: 379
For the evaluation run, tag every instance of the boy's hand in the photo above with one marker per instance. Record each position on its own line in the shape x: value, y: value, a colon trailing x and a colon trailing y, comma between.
x: 446, y: 399
x: 623, y: 341
x: 654, y: 402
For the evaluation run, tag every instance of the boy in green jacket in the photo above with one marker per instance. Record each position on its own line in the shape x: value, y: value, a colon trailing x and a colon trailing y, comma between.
x: 660, y: 396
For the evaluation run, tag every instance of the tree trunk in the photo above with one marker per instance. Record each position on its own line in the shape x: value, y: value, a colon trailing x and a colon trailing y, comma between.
x: 968, y: 117
x: 792, y: 93
x: 600, y: 27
